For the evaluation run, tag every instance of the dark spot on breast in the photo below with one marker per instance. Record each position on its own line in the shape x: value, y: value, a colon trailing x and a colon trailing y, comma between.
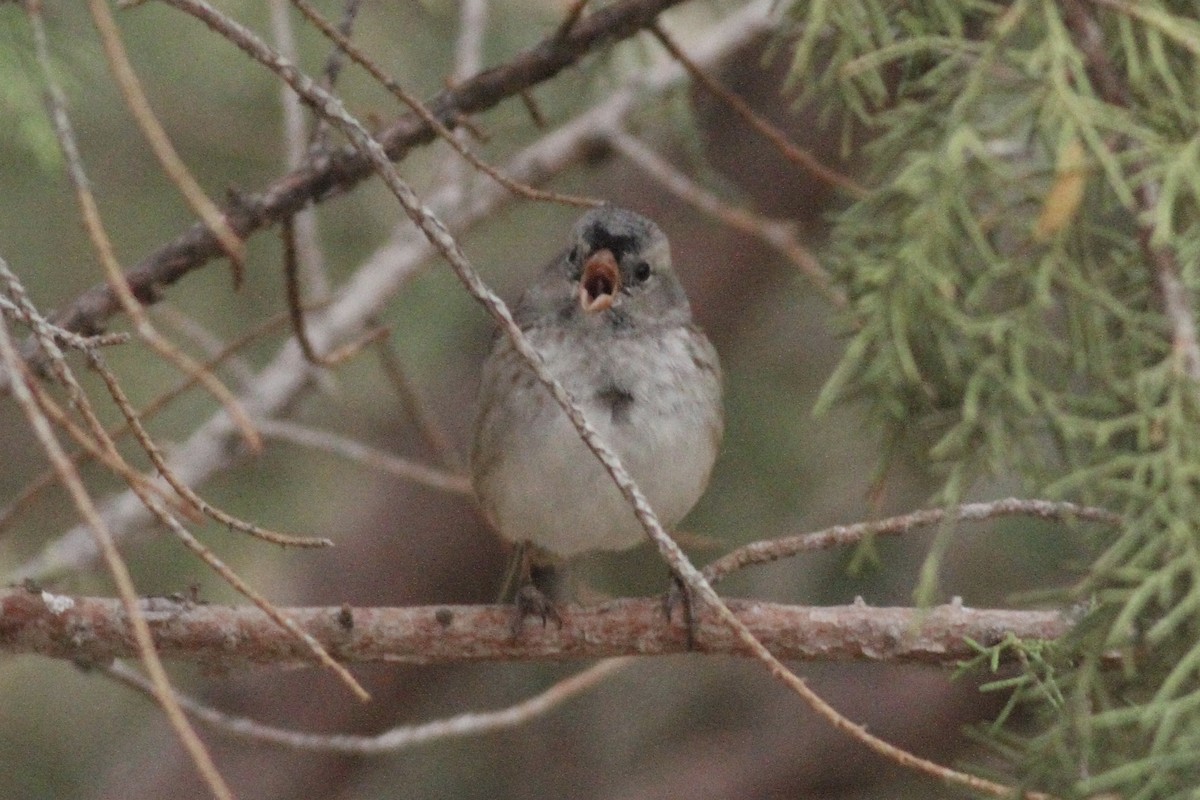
x: 619, y: 401
x: 444, y: 617
x: 618, y: 319
x: 345, y: 617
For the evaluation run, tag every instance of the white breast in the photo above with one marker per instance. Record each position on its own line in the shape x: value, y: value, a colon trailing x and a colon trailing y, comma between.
x: 545, y: 486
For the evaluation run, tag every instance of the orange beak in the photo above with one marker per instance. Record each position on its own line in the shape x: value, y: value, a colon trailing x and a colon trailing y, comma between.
x: 600, y: 282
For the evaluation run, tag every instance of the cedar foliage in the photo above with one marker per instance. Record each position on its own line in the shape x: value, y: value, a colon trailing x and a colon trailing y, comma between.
x: 1036, y: 167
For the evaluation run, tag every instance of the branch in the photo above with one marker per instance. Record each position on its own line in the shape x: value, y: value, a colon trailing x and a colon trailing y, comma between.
x: 327, y: 175
x: 768, y: 550
x: 470, y: 723
x: 97, y: 630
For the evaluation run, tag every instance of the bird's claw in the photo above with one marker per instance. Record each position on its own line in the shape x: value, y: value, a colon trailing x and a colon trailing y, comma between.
x: 531, y: 601
x: 679, y: 595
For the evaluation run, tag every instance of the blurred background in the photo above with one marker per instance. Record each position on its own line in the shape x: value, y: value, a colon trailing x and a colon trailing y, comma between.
x: 685, y: 726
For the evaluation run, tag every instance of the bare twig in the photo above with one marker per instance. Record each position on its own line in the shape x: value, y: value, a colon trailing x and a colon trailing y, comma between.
x: 798, y: 156
x: 139, y: 630
x: 185, y: 491
x: 296, y: 141
x: 25, y: 498
x: 295, y: 304
x: 399, y: 738
x: 847, y: 535
x: 336, y: 59
x: 779, y: 235
x: 430, y: 119
x: 95, y: 630
x: 365, y: 455
x: 533, y: 109
x: 426, y: 422
x: 109, y: 458
x: 207, y: 340
x: 90, y: 213
x: 172, y: 164
x: 109, y: 455
x: 333, y: 68
x: 63, y: 337
x: 93, y: 444
x: 468, y: 49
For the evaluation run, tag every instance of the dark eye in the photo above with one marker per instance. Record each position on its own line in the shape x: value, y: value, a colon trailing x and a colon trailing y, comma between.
x: 641, y: 272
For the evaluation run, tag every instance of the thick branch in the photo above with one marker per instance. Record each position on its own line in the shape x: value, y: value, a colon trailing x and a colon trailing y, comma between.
x: 96, y: 630
x: 330, y: 174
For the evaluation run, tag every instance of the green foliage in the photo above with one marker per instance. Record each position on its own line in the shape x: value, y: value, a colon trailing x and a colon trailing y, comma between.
x: 25, y: 128
x: 1005, y: 278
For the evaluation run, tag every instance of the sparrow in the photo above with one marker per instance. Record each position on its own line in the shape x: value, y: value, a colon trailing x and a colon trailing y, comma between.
x: 613, y: 325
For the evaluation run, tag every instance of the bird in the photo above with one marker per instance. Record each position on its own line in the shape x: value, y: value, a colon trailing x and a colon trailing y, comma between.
x: 613, y: 325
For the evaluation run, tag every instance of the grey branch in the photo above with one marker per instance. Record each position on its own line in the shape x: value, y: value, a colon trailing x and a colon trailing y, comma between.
x: 96, y: 630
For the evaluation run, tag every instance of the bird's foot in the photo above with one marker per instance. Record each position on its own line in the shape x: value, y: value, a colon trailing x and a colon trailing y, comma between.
x: 680, y: 596
x: 530, y: 601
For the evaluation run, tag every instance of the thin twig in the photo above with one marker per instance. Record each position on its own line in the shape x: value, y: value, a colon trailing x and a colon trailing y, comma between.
x: 533, y: 109
x: 92, y: 444
x: 399, y: 738
x: 574, y: 12
x: 295, y: 304
x: 66, y: 338
x: 296, y: 146
x: 90, y: 213
x: 116, y: 566
x: 797, y: 155
x: 468, y: 60
x: 185, y: 491
x: 39, y: 484
x: 143, y: 493
x: 209, y: 342
x: 779, y: 235
x: 430, y: 119
x: 99, y: 442
x: 56, y: 414
x: 139, y: 107
x: 333, y: 68
x: 848, y: 535
x: 365, y: 455
x: 418, y: 411
x: 292, y: 291
x: 448, y: 247
x: 336, y: 59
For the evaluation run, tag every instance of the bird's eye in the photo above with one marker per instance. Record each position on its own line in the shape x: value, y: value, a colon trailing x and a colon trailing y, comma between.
x: 641, y: 272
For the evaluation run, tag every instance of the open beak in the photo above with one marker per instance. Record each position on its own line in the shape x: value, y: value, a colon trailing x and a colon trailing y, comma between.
x: 600, y: 282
